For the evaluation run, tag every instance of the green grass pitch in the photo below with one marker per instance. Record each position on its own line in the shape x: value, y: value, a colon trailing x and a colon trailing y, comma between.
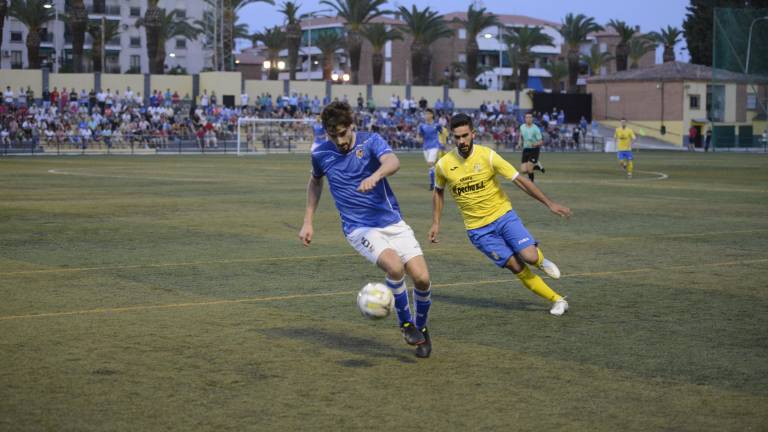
x: 172, y: 293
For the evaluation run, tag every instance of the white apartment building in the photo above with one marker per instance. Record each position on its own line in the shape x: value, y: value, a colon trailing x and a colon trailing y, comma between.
x: 126, y: 53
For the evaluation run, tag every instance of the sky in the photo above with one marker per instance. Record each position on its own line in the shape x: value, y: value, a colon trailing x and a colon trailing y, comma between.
x: 650, y: 15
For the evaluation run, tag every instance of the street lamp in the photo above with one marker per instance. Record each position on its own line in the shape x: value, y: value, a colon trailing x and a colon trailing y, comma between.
x: 749, y: 41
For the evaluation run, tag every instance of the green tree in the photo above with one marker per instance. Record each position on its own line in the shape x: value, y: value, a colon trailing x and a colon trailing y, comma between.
x: 477, y: 20
x: 575, y: 29
x: 168, y: 26
x: 638, y: 47
x: 274, y: 41
x: 378, y: 35
x: 558, y: 70
x: 77, y: 17
x: 290, y: 11
x: 356, y: 14
x: 625, y: 32
x: 34, y: 16
x: 596, y: 59
x: 425, y: 27
x: 3, y: 14
x: 667, y: 38
x: 328, y: 42
x: 111, y: 31
x: 520, y: 42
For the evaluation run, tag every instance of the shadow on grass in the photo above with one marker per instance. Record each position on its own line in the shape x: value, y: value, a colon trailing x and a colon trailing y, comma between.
x: 342, y: 342
x: 486, y: 303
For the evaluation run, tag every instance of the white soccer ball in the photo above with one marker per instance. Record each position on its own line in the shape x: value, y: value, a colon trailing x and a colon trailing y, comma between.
x: 375, y: 301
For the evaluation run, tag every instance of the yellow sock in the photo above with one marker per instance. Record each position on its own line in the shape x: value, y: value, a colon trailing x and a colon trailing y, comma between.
x: 540, y: 259
x: 537, y: 285
x: 630, y: 165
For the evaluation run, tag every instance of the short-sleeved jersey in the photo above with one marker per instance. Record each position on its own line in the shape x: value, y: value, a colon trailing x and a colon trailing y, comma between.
x: 431, y: 134
x: 531, y: 135
x: 624, y: 137
x: 474, y: 184
x: 319, y: 133
x: 376, y: 208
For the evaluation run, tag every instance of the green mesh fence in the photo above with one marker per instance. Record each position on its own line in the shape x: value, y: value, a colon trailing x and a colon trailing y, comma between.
x: 740, y: 54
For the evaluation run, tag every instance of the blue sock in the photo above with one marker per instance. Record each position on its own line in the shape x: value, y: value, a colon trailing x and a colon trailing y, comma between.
x: 401, y: 300
x: 432, y: 176
x: 423, y: 300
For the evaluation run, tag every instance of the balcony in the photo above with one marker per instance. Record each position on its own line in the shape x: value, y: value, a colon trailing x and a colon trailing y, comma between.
x: 102, y: 9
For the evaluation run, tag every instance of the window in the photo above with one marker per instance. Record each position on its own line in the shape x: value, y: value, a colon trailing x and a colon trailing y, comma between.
x: 751, y: 101
x: 15, y: 36
x: 693, y: 102
x: 181, y: 43
x: 16, y: 62
x: 716, y: 103
x: 135, y: 11
x: 136, y: 62
x: 181, y: 13
x: 462, y: 58
x: 135, y: 42
x: 462, y: 33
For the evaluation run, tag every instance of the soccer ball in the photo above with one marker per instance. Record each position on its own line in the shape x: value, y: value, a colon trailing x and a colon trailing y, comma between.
x: 375, y: 301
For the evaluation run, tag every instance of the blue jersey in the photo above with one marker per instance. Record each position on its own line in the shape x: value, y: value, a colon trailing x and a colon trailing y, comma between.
x: 431, y: 133
x: 376, y: 208
x: 319, y: 133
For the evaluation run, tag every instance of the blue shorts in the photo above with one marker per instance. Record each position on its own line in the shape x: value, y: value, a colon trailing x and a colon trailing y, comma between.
x: 502, y: 238
x: 625, y: 155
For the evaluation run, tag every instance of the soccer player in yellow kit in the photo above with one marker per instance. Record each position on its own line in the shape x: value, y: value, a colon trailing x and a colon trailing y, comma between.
x: 470, y: 173
x: 625, y: 138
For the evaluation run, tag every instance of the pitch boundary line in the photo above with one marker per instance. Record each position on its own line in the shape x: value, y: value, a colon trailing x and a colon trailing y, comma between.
x: 313, y: 257
x: 335, y: 293
x: 180, y: 179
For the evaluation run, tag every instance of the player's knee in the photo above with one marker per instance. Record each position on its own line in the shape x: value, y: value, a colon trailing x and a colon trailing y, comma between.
x: 514, y: 265
x: 421, y: 280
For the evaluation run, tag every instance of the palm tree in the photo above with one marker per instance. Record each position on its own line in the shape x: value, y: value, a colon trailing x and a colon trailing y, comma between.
x: 152, y: 23
x: 3, y: 13
x: 111, y: 31
x: 425, y: 27
x: 356, y: 14
x: 625, y: 32
x: 668, y: 38
x: 293, y: 34
x: 523, y: 39
x: 274, y: 41
x: 33, y: 15
x: 170, y: 26
x: 558, y: 70
x: 638, y: 47
x: 477, y: 20
x: 378, y: 35
x: 230, y: 9
x: 328, y: 42
x: 596, y: 59
x: 77, y: 17
x: 575, y: 30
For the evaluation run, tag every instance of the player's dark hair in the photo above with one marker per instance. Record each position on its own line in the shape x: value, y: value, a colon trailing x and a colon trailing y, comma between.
x: 336, y: 114
x: 431, y: 111
x: 460, y: 120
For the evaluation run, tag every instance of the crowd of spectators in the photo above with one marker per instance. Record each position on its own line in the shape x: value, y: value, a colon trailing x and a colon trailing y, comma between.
x: 107, y: 119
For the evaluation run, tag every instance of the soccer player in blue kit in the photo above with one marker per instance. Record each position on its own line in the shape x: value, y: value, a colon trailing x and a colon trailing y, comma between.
x: 356, y: 165
x: 429, y: 132
x: 318, y: 132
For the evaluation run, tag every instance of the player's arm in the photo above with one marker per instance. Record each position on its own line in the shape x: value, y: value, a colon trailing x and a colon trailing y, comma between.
x: 531, y: 189
x: 438, y: 201
x: 314, y: 190
x: 389, y: 165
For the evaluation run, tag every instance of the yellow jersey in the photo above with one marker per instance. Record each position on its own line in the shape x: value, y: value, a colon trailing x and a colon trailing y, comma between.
x: 474, y: 185
x: 624, y: 137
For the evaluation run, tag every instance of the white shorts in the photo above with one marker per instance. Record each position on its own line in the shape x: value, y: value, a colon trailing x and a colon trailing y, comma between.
x: 430, y: 155
x: 371, y: 242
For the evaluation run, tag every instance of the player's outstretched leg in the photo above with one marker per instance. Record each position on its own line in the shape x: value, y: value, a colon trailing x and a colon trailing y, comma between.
x: 389, y: 261
x: 431, y: 177
x: 630, y: 167
x: 536, y: 283
x: 416, y: 268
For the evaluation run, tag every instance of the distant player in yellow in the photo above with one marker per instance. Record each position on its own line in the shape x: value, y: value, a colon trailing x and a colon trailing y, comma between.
x: 625, y: 139
x: 470, y: 173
